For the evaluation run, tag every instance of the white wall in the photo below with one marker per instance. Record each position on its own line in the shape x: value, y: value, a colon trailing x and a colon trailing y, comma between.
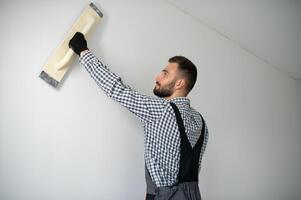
x: 76, y: 143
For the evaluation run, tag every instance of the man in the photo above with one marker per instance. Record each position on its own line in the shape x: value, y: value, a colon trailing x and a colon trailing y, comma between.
x: 175, y: 134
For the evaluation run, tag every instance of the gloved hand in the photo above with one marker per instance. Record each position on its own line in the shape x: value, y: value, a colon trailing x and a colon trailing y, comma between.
x: 78, y: 43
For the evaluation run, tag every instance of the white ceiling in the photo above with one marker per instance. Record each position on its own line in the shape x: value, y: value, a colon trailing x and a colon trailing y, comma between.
x: 270, y: 30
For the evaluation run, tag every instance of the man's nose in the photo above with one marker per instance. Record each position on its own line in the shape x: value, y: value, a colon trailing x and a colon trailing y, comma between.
x: 157, y: 78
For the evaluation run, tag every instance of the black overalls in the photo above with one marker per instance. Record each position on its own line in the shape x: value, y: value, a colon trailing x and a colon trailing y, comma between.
x: 187, y: 186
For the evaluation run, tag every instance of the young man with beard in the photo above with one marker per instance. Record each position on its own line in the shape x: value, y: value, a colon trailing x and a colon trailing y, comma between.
x: 175, y: 134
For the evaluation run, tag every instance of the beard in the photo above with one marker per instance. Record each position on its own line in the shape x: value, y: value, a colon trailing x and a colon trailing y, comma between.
x: 165, y: 91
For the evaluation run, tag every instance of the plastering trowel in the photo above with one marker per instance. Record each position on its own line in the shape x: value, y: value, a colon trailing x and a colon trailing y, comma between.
x: 58, y: 63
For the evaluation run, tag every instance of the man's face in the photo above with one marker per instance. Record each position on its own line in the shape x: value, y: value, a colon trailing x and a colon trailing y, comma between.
x: 165, y: 81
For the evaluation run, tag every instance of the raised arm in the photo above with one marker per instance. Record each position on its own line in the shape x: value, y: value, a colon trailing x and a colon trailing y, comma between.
x: 145, y: 107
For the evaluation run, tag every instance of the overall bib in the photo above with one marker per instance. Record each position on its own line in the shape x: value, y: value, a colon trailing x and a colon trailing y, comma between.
x: 187, y: 186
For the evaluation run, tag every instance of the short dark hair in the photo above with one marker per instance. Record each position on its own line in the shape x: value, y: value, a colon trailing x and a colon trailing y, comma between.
x: 187, y: 68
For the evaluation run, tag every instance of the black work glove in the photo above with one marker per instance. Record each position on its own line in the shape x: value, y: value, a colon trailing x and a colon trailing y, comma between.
x: 78, y: 43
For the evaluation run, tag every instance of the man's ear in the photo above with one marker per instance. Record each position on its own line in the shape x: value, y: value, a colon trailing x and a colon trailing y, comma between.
x: 181, y: 83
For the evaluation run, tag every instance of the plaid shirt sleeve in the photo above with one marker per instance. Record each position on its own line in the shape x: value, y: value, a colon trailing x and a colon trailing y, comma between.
x: 144, y: 107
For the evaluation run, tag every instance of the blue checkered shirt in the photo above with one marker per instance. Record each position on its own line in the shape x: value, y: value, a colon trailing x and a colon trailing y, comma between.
x: 161, y: 133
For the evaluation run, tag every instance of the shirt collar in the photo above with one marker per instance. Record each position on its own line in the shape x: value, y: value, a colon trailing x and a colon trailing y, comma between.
x: 180, y: 100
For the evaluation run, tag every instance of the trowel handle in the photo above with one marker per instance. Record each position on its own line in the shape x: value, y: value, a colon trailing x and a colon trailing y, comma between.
x: 70, y: 52
x: 65, y: 59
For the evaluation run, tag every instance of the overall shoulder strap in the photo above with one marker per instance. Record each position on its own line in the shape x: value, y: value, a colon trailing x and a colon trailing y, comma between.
x: 189, y: 160
x: 180, y: 123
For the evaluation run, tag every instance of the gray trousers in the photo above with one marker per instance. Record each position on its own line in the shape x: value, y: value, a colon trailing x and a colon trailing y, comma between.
x: 183, y: 191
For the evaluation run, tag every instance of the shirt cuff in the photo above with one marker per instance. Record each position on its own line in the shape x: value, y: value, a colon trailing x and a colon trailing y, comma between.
x: 86, y: 56
x: 83, y: 53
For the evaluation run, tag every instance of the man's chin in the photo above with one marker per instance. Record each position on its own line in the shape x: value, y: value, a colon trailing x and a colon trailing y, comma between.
x: 159, y: 95
x: 155, y: 93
